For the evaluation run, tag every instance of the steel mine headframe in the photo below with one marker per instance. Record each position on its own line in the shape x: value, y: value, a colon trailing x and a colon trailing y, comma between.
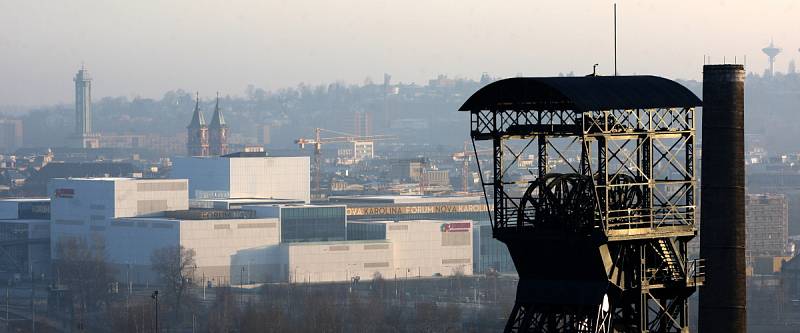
x: 598, y: 225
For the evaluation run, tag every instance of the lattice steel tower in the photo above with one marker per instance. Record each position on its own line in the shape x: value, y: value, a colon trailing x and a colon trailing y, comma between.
x: 598, y: 227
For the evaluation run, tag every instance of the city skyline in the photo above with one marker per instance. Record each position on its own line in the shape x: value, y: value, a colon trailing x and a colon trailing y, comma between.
x: 276, y: 45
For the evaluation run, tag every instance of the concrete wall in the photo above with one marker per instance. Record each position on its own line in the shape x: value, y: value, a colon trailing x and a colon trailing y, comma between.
x: 83, y: 207
x: 427, y: 248
x: 339, y: 261
x: 150, y: 197
x: 236, y: 251
x: 130, y: 242
x: 246, y: 177
x: 271, y: 177
x: 226, y: 251
x: 206, y: 175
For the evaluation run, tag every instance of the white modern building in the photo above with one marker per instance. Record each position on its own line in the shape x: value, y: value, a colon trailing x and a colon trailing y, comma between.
x: 422, y: 248
x: 251, y: 244
x: 84, y: 207
x: 245, y: 175
x: 408, y: 249
x: 314, y: 262
x: 228, y: 249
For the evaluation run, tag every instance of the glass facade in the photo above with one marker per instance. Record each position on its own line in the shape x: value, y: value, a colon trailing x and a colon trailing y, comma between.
x: 34, y: 210
x: 312, y: 224
x: 490, y: 253
x: 366, y: 231
x: 15, y: 258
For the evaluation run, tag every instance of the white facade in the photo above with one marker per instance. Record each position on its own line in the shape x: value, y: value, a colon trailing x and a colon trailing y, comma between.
x: 246, y: 177
x: 338, y: 261
x: 427, y: 248
x: 80, y: 207
x: 419, y: 249
x: 229, y: 251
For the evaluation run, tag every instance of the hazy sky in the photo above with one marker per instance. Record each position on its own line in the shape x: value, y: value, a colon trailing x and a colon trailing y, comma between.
x: 147, y: 47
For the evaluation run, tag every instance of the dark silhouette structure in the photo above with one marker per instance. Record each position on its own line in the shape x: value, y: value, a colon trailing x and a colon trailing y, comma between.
x: 598, y: 229
x: 722, y: 241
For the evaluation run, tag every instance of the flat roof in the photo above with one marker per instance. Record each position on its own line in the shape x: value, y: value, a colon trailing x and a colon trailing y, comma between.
x: 340, y: 242
x: 110, y: 179
x: 177, y: 220
x: 25, y: 199
x: 25, y: 221
x: 250, y: 200
x: 408, y: 221
x: 296, y: 205
x: 403, y: 199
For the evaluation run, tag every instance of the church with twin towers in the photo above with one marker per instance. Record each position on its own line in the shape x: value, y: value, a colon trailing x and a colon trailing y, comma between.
x: 207, y: 140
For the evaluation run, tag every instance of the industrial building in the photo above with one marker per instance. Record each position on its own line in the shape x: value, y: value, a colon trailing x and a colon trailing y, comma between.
x: 245, y: 176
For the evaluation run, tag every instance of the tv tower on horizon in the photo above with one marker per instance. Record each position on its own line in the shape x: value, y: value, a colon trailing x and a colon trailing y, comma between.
x: 771, y: 51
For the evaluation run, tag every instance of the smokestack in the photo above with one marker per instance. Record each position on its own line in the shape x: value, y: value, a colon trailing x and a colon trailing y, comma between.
x: 722, y: 232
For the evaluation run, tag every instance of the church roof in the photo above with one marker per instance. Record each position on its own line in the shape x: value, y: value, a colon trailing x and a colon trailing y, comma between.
x: 217, y: 120
x: 197, y: 118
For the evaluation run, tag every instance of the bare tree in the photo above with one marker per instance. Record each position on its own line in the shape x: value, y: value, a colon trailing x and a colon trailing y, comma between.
x: 80, y: 265
x: 133, y: 317
x: 175, y: 267
x: 223, y: 314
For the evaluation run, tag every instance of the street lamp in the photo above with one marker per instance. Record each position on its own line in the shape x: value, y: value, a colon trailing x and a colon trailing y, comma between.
x: 154, y: 296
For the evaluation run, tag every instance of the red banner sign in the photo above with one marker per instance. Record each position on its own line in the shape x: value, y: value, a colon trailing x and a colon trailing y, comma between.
x: 65, y: 192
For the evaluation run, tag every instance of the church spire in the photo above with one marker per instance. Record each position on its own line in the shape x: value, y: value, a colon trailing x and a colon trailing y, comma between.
x: 197, y: 132
x: 218, y: 132
x: 198, y: 120
x: 217, y: 120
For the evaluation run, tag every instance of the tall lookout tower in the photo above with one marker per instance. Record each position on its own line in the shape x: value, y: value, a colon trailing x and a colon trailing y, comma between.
x: 83, y: 137
x: 598, y: 228
x: 83, y: 102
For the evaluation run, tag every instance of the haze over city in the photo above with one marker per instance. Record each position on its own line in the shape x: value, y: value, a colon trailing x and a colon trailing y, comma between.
x: 145, y: 48
x: 416, y: 166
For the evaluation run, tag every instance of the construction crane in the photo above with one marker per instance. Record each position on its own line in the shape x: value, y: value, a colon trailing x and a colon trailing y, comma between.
x: 318, y: 140
x: 465, y: 156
